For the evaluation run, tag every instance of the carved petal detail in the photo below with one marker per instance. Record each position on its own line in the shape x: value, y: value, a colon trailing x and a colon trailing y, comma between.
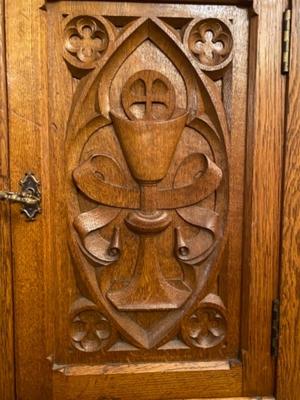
x: 210, y: 40
x: 90, y: 330
x: 147, y: 163
x: 86, y: 38
x: 206, y: 326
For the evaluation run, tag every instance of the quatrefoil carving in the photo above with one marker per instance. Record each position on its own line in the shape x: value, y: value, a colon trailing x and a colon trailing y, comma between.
x: 210, y: 40
x: 206, y: 326
x: 148, y: 186
x: 85, y: 40
x: 91, y: 331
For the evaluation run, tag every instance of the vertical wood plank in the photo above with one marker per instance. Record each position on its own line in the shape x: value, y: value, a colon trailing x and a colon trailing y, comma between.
x: 6, y: 293
x: 27, y: 110
x: 289, y: 351
x: 265, y: 138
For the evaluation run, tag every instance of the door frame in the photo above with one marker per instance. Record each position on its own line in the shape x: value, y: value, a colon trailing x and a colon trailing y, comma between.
x: 7, y: 379
x: 288, y: 372
x: 289, y: 349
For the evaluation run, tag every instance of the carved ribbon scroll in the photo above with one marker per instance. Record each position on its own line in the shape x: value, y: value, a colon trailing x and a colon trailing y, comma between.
x: 150, y: 169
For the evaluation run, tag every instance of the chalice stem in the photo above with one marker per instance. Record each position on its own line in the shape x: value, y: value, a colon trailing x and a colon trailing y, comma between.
x: 148, y: 197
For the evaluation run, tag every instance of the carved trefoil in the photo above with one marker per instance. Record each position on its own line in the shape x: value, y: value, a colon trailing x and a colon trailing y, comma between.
x: 148, y: 161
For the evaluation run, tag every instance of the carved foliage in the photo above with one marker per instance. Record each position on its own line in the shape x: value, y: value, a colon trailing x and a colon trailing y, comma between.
x: 150, y: 164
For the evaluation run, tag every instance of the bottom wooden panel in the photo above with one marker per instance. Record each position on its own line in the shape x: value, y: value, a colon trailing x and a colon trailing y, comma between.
x: 157, y: 381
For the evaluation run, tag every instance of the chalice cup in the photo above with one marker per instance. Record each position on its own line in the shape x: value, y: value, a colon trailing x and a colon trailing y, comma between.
x: 149, y: 147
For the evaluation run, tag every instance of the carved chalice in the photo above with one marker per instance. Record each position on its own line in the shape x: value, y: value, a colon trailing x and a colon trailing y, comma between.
x: 148, y: 132
x: 149, y: 145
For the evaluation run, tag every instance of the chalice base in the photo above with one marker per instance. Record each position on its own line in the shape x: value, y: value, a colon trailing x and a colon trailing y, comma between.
x: 149, y: 289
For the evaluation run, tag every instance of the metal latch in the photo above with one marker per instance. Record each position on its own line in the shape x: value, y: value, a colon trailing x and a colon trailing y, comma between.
x: 29, y: 196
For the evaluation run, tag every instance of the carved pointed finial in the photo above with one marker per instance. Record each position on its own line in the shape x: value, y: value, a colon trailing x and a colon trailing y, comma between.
x: 181, y: 247
x: 114, y: 248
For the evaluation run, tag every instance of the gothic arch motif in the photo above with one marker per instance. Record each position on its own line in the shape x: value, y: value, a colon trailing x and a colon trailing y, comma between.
x: 147, y: 173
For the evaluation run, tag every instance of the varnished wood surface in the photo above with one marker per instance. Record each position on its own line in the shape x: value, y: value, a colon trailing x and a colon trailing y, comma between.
x: 236, y: 398
x: 6, y: 293
x: 27, y: 99
x: 45, y: 284
x: 289, y: 351
x: 216, y: 2
x: 264, y: 153
x: 148, y: 385
x: 114, y: 369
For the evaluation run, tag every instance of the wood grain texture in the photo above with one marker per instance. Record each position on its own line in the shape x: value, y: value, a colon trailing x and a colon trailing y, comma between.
x: 216, y: 2
x: 144, y: 384
x: 265, y: 141
x: 6, y: 292
x: 288, y: 374
x: 235, y: 398
x: 55, y: 315
x: 27, y: 98
x: 112, y: 188
x: 115, y: 369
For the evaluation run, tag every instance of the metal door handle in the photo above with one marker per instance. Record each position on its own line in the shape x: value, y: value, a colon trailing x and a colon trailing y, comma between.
x: 29, y: 196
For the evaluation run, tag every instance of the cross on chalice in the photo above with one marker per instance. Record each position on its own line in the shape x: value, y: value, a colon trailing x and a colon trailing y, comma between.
x: 148, y: 138
x: 149, y: 144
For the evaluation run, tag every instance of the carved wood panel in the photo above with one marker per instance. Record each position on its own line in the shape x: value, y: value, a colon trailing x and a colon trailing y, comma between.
x: 154, y: 268
x: 147, y: 183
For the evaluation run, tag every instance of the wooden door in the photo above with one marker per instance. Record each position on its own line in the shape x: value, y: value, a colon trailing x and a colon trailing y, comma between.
x: 155, y: 131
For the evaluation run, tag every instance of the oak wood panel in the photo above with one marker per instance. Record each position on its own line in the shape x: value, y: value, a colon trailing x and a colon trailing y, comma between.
x: 147, y: 385
x: 136, y: 8
x: 288, y: 374
x: 235, y: 398
x: 216, y: 2
x: 61, y: 94
x: 115, y: 369
x: 6, y: 293
x: 27, y: 100
x: 48, y: 282
x: 265, y: 139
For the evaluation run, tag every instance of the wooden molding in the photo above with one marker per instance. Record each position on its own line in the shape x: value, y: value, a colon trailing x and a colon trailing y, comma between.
x: 147, y: 384
x: 202, y: 2
x: 265, y: 122
x: 115, y: 369
x: 6, y: 293
x: 82, y: 288
x: 28, y: 150
x: 288, y: 375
